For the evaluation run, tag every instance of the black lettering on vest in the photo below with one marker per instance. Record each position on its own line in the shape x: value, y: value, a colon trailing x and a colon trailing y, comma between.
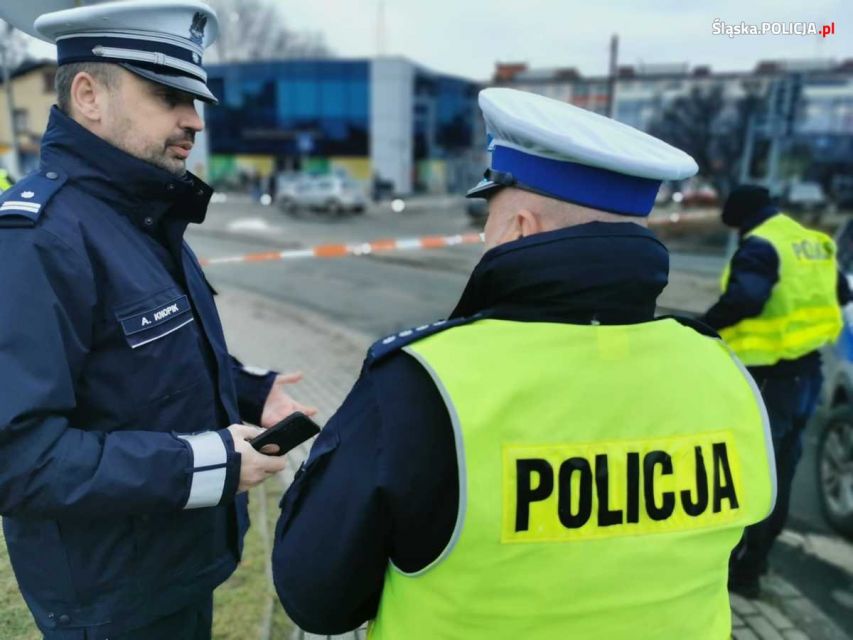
x: 564, y: 504
x: 810, y: 250
x: 606, y: 517
x: 633, y: 506
x: 726, y: 489
x: 653, y: 459
x: 697, y: 508
x: 798, y: 250
x: 526, y: 493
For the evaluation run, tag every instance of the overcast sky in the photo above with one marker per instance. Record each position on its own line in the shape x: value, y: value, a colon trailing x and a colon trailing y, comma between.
x: 467, y: 37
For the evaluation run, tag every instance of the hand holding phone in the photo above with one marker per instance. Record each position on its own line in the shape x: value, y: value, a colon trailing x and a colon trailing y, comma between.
x: 287, y: 434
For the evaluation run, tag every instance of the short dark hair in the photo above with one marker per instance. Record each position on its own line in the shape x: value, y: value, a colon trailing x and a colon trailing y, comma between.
x: 103, y: 72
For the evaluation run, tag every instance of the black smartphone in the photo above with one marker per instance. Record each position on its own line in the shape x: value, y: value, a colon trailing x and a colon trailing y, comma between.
x: 287, y: 434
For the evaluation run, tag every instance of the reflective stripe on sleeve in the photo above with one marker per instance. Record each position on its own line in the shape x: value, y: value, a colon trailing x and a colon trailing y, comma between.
x: 207, y: 484
x: 206, y: 489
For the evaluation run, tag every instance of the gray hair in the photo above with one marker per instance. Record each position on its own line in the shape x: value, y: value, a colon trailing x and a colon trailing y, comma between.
x: 104, y: 72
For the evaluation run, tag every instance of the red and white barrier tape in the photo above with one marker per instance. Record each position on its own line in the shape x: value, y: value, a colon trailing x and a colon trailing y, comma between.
x: 400, y: 244
x: 354, y: 249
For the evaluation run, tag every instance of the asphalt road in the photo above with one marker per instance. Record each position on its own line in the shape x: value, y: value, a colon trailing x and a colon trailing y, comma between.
x: 381, y: 294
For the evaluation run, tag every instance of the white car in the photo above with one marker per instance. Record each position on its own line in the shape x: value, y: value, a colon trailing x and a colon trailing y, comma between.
x: 805, y: 196
x: 332, y: 194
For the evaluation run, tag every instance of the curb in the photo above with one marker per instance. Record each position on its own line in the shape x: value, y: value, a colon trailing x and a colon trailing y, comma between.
x: 783, y: 612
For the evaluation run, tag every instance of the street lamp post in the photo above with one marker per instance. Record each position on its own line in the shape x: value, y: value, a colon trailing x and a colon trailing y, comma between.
x: 12, y: 163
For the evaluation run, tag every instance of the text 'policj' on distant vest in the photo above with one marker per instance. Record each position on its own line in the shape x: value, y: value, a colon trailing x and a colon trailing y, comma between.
x: 802, y: 313
x: 605, y: 474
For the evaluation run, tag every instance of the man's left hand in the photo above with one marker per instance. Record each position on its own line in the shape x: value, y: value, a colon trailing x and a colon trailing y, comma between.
x: 279, y: 404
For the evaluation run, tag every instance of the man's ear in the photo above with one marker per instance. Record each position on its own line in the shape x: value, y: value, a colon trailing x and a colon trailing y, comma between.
x: 87, y: 97
x: 528, y: 222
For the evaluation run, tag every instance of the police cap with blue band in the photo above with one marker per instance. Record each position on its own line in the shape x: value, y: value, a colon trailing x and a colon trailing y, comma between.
x: 564, y: 152
x: 160, y: 40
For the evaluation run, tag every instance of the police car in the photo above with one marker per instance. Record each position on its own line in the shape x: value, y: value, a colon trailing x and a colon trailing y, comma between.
x: 835, y: 443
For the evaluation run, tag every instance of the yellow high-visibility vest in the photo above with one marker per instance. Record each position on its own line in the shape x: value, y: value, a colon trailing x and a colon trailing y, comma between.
x: 802, y: 314
x: 605, y: 474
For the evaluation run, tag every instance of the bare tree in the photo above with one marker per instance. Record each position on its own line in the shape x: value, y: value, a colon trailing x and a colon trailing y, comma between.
x: 710, y: 128
x: 13, y: 45
x: 256, y: 30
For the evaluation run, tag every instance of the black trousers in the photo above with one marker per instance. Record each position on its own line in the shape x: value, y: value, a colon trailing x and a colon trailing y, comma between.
x: 190, y: 623
x: 193, y: 622
x: 790, y: 401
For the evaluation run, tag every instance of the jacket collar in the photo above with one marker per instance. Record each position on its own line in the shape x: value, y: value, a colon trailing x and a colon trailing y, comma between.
x: 753, y: 220
x: 609, y: 273
x: 140, y: 190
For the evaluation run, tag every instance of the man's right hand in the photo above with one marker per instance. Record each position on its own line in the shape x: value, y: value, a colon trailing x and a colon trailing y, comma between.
x: 255, y: 467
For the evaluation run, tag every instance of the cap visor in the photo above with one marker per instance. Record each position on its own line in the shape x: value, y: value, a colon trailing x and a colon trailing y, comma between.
x: 187, y: 84
x: 483, y: 190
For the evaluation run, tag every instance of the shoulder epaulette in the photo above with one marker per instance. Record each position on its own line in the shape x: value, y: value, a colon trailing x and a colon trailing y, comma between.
x: 396, y: 341
x: 23, y: 203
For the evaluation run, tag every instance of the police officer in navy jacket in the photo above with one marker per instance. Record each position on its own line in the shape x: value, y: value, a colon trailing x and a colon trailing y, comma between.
x: 121, y: 483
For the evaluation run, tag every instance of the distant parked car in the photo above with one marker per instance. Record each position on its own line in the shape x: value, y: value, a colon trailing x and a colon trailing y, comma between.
x: 835, y: 441
x: 699, y: 196
x: 805, y: 196
x: 332, y: 194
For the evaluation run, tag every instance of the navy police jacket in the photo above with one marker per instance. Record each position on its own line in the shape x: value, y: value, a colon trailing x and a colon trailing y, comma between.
x: 381, y: 480
x: 118, y: 480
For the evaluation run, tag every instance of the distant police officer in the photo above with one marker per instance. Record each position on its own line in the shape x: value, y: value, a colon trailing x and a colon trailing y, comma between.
x: 780, y: 305
x: 119, y: 468
x: 551, y: 462
x: 6, y: 181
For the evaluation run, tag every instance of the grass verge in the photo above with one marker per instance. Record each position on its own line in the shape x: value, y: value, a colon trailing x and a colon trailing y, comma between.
x: 240, y: 604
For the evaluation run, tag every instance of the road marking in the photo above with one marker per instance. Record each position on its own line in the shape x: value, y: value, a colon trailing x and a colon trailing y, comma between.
x: 829, y: 549
x: 250, y: 224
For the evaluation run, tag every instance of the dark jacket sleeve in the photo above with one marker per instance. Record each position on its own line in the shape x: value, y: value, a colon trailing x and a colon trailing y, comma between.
x: 754, y: 272
x: 379, y: 485
x: 49, y: 468
x: 845, y: 296
x: 252, y: 390
x: 331, y: 541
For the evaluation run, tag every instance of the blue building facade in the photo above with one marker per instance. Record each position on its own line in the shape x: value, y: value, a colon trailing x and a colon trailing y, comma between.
x: 386, y: 118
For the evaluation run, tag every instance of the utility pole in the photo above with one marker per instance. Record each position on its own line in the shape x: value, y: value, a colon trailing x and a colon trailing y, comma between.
x: 381, y: 35
x: 13, y: 156
x: 746, y: 157
x: 778, y: 97
x: 611, y: 79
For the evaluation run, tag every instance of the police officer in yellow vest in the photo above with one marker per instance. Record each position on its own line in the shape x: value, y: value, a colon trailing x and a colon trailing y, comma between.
x: 550, y: 462
x: 780, y: 304
x: 6, y: 181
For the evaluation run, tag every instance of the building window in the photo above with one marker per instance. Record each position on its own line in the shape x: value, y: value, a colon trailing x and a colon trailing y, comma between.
x: 22, y: 120
x: 49, y: 78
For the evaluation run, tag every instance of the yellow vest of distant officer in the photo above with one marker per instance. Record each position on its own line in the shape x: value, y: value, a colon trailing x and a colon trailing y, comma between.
x: 802, y: 314
x: 605, y: 472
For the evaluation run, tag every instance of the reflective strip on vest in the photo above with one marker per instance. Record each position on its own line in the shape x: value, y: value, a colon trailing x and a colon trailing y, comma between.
x: 802, y: 313
x: 605, y: 474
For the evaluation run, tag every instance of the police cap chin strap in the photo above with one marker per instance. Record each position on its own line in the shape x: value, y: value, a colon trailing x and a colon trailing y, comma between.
x: 506, y: 179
